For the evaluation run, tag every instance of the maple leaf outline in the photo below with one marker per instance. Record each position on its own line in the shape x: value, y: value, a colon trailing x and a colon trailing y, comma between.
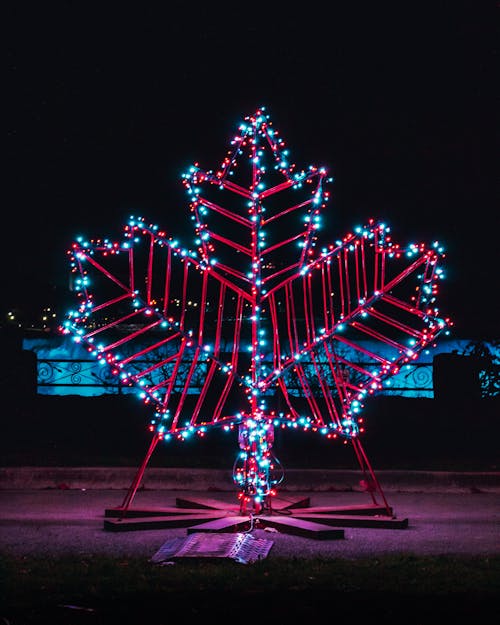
x: 327, y: 285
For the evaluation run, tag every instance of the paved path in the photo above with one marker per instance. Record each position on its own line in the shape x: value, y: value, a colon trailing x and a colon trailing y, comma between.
x: 53, y: 522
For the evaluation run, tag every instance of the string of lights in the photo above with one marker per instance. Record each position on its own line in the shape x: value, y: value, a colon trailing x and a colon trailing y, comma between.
x: 241, y: 313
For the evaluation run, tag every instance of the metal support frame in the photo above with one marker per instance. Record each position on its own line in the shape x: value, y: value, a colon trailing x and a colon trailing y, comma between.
x: 291, y: 516
x: 269, y: 329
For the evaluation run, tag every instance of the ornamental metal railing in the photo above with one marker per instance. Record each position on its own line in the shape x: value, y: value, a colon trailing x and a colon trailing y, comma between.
x: 86, y: 377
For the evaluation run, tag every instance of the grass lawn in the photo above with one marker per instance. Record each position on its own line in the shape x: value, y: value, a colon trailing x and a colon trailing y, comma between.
x: 101, y: 590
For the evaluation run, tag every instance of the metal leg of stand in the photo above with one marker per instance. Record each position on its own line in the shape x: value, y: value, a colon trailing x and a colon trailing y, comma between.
x: 140, y: 474
x: 366, y: 466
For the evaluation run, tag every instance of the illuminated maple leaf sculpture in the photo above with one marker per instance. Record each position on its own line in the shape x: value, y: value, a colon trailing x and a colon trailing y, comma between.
x: 255, y: 327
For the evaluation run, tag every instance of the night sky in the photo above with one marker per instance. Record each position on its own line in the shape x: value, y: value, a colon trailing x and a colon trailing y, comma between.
x: 107, y: 107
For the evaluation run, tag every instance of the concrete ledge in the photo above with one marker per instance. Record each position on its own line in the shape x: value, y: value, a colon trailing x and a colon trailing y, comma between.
x: 105, y: 478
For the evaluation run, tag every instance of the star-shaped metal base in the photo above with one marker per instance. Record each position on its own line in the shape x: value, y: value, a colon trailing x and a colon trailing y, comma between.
x: 288, y: 516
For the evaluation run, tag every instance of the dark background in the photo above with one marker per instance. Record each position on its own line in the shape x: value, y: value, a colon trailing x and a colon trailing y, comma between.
x: 108, y: 105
